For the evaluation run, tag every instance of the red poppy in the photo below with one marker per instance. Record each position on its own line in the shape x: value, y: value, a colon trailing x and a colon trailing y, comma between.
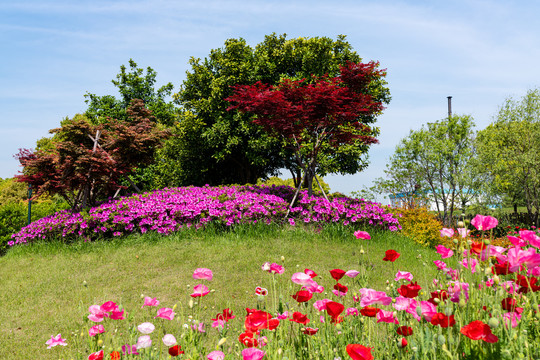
x: 302, y: 296
x: 258, y: 319
x: 369, y: 311
x: 226, y: 315
x: 175, y: 350
x: 477, y: 330
x: 403, y: 342
x: 341, y: 288
x: 337, y: 274
x: 310, y: 331
x: 509, y: 304
x: 309, y: 272
x: 247, y: 339
x: 115, y: 355
x: 359, y: 352
x: 442, y: 295
x: 477, y: 247
x: 334, y: 309
x: 442, y: 320
x: 391, y: 255
x: 410, y: 290
x: 299, y: 318
x: 96, y: 356
x: 527, y: 283
x: 404, y: 330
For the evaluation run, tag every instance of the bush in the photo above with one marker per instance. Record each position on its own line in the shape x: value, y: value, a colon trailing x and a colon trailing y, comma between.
x: 421, y: 226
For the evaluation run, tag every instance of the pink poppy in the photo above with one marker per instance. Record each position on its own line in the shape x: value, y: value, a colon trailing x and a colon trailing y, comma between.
x: 444, y: 252
x: 96, y: 329
x: 447, y: 232
x: 362, y: 235
x: 283, y: 316
x: 165, y: 313
x: 252, y: 353
x: 301, y: 279
x: 463, y: 232
x: 169, y: 340
x: 200, y: 290
x: 441, y: 265
x: 469, y: 264
x: 370, y: 297
x: 148, y: 301
x: 143, y: 342
x: 352, y: 273
x: 146, y: 328
x: 109, y: 306
x: 313, y: 287
x: 516, y: 241
x: 320, y: 305
x: 403, y: 275
x: 403, y: 303
x: 309, y: 272
x: 273, y: 268
x: 216, y: 355
x: 484, y: 223
x: 352, y: 311
x: 387, y: 317
x: 531, y: 237
x: 203, y: 274
x: 55, y: 340
x: 117, y: 315
x: 511, y: 318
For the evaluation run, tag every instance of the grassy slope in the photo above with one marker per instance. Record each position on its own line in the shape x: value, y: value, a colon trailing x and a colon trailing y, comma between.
x: 43, y: 292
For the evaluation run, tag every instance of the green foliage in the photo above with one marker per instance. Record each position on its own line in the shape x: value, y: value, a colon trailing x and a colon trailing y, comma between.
x: 274, y: 180
x: 12, y: 191
x: 420, y: 225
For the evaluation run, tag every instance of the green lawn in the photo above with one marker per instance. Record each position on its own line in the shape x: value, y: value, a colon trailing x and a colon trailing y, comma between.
x: 47, y: 288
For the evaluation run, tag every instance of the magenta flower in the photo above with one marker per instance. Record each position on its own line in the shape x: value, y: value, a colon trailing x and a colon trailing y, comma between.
x: 165, y: 313
x: 148, y: 301
x: 444, y: 252
x: 463, y: 232
x: 352, y: 311
x: 352, y: 273
x: 441, y: 265
x: 199, y: 327
x: 481, y: 222
x: 169, y: 340
x: 216, y: 355
x: 283, y: 316
x: 387, y: 317
x: 273, y: 268
x: 403, y: 275
x: 96, y: 329
x: 531, y: 237
x: 146, y: 328
x: 143, y: 342
x: 370, y: 297
x: 320, y: 305
x: 313, y: 287
x: 109, y: 306
x: 129, y: 350
x: 402, y: 303
x: 96, y: 314
x: 362, y: 235
x: 203, y: 274
x: 252, y: 353
x: 447, y: 232
x: 55, y: 340
x: 117, y: 315
x: 516, y: 241
x: 199, y: 291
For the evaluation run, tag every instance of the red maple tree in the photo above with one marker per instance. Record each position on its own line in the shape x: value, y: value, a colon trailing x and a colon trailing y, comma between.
x: 315, y: 115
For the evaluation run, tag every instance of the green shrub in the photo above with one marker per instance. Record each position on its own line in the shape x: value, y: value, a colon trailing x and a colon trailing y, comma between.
x: 420, y: 225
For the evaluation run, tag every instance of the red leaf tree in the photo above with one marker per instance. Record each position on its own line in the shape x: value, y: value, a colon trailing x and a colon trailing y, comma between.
x: 316, y: 116
x: 89, y: 162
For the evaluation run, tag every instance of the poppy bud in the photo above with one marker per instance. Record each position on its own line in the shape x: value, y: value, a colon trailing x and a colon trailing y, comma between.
x: 282, y: 258
x: 461, y: 224
x: 441, y: 339
x: 455, y: 241
x: 221, y: 341
x: 462, y: 303
x: 487, y: 242
x: 493, y: 323
x: 448, y: 311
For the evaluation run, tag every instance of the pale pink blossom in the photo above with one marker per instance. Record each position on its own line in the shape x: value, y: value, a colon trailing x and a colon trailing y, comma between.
x: 446, y: 232
x: 314, y: 287
x: 169, y: 340
x: 198, y: 327
x: 302, y: 279
x: 252, y: 353
x: 165, y: 313
x: 200, y: 290
x: 511, y: 318
x: 146, y: 328
x: 441, y: 265
x: 96, y: 314
x: 352, y: 273
x: 470, y: 264
x: 55, y: 340
x: 216, y: 355
x: 203, y: 274
x: 148, y: 301
x: 403, y: 275
x: 362, y: 235
x: 463, y: 232
x: 320, y: 305
x: 352, y: 311
x: 96, y: 329
x: 456, y: 289
x: 402, y: 303
x: 143, y: 342
x: 531, y: 237
x: 370, y: 297
x: 483, y: 223
x: 444, y: 252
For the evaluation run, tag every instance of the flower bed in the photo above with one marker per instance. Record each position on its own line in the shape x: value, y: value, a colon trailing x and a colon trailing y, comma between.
x: 169, y: 210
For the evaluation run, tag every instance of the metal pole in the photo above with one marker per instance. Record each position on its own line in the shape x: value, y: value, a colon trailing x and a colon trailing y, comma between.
x: 29, y: 204
x: 449, y: 106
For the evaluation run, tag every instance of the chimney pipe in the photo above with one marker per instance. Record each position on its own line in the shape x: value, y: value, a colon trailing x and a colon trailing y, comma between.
x: 449, y: 106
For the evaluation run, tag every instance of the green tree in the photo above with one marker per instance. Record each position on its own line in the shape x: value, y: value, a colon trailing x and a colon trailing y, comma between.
x: 509, y: 150
x: 233, y: 149
x: 438, y: 163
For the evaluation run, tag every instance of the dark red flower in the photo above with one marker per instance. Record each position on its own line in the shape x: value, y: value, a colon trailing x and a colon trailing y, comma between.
x: 442, y: 295
x: 477, y: 330
x: 509, y: 304
x: 359, y: 352
x: 391, y: 255
x: 337, y: 274
x: 247, y: 339
x: 442, y: 320
x: 226, y: 315
x: 410, y: 290
x: 175, y: 350
x: 115, y: 355
x: 299, y: 318
x: 341, y: 288
x: 369, y: 311
x: 310, y: 331
x: 502, y: 268
x: 302, y: 296
x: 404, y: 330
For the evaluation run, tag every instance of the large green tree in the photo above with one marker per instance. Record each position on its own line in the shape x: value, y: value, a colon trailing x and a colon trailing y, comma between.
x: 509, y: 150
x: 437, y: 162
x: 215, y: 146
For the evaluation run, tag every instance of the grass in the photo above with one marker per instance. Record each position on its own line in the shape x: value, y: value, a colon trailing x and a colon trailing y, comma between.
x: 48, y: 287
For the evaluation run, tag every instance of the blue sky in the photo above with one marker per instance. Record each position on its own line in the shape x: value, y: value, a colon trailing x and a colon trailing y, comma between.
x: 53, y: 52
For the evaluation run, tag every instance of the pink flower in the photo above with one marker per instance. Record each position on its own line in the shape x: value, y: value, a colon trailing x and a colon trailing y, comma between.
x: 301, y: 279
x: 309, y: 272
x: 403, y: 303
x: 463, y: 232
x: 96, y: 329
x: 469, y: 264
x: 148, y: 301
x: 441, y: 265
x: 219, y: 323
x: 203, y: 274
x: 313, y: 287
x: 516, y: 241
x: 55, y: 340
x: 320, y: 305
x: 484, y: 223
x: 352, y: 273
x: 165, y: 313
x: 362, y: 235
x: 447, y: 232
x: 370, y: 297
x: 117, y: 315
x: 96, y: 314
x: 143, y: 342
x: 146, y: 328
x: 531, y: 237
x: 511, y: 318
x: 352, y: 311
x: 387, y: 317
x: 252, y: 353
x: 129, y: 350
x: 169, y: 340
x: 109, y: 306
x: 339, y: 293
x: 199, y: 327
x: 283, y: 316
x: 444, y: 252
x: 403, y: 275
x: 216, y: 355
x: 199, y: 291
x: 96, y: 356
x: 273, y: 268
